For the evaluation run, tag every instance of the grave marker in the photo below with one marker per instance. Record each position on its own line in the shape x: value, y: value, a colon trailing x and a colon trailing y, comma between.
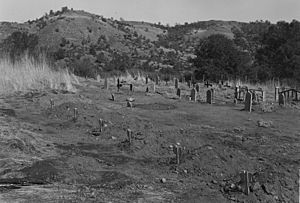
x: 147, y: 79
x: 51, y: 104
x: 236, y: 92
x: 178, y: 93
x: 176, y: 83
x: 129, y: 104
x: 282, y: 99
x: 157, y: 80
x: 263, y: 94
x: 209, y: 96
x: 177, y: 150
x: 106, y: 85
x: 131, y: 87
x: 75, y: 115
x: 118, y: 84
x: 129, y: 135
x: 248, y: 102
x: 245, y: 180
x: 112, y: 97
x: 276, y: 93
x: 193, y: 94
x: 197, y: 88
x: 101, y: 125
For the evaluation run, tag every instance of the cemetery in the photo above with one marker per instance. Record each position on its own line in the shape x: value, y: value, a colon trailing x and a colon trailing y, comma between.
x: 148, y: 141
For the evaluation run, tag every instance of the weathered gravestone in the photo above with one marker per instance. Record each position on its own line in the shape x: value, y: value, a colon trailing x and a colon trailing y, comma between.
x: 209, y: 96
x: 118, y: 84
x: 157, y: 80
x: 147, y: 79
x: 197, y: 87
x: 263, y: 95
x: 176, y: 83
x: 236, y: 92
x: 51, y: 104
x: 131, y: 87
x: 248, y: 102
x: 193, y: 94
x: 147, y: 89
x: 129, y: 136
x: 101, y: 125
x: 112, y: 97
x: 154, y: 88
x: 254, y: 96
x: 178, y: 93
x: 282, y: 99
x: 276, y: 93
x: 106, y: 85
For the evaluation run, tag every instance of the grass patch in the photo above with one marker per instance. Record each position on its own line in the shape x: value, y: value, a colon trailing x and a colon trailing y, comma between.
x: 28, y: 74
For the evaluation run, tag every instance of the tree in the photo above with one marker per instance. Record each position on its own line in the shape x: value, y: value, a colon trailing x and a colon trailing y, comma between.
x: 216, y: 56
x: 280, y: 50
x: 18, y: 43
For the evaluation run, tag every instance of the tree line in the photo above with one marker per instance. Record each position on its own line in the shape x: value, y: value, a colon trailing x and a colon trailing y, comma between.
x: 274, y: 52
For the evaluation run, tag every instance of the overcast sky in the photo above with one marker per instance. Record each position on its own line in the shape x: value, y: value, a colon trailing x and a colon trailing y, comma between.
x: 164, y: 11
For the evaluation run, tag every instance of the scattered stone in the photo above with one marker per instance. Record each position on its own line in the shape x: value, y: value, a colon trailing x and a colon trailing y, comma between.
x: 264, y: 124
x: 113, y: 138
x: 256, y: 186
x: 129, y: 104
x: 214, y: 181
x: 163, y: 180
x: 185, y: 171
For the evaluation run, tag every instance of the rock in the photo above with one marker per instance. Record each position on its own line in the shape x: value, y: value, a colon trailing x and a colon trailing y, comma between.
x: 232, y: 186
x: 214, y: 181
x: 185, y: 171
x: 113, y: 138
x: 256, y: 186
x: 163, y: 180
x: 264, y: 124
x: 268, y: 189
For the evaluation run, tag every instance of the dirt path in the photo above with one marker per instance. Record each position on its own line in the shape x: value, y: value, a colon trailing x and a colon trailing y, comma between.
x: 46, y: 156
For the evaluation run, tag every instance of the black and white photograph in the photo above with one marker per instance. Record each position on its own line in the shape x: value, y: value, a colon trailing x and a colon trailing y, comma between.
x: 150, y: 101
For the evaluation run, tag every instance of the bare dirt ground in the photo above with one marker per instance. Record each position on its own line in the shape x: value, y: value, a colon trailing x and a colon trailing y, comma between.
x: 46, y: 156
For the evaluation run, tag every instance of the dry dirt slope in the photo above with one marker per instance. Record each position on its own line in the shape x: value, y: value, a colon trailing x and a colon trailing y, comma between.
x: 48, y: 157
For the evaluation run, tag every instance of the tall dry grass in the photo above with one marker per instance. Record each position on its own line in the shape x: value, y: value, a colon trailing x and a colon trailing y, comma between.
x: 28, y: 74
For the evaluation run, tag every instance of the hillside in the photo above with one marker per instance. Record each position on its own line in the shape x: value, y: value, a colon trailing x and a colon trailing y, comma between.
x: 90, y: 44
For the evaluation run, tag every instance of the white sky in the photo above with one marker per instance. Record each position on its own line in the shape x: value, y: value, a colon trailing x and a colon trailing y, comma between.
x: 164, y: 11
